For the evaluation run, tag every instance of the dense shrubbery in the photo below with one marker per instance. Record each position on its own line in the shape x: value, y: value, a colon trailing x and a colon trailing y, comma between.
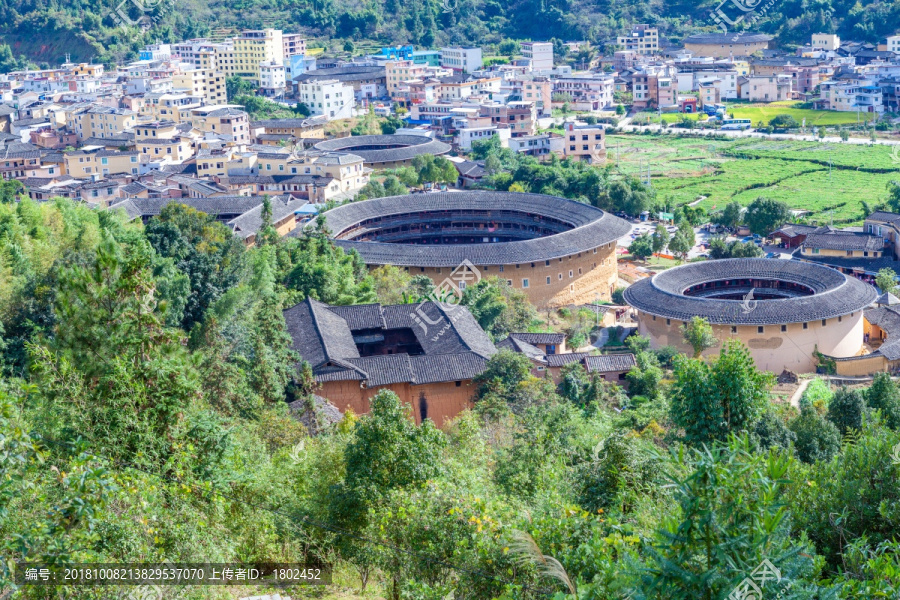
x: 128, y: 437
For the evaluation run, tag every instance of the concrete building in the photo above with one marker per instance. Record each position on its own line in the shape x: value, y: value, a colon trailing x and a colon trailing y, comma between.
x: 765, y: 88
x: 271, y: 79
x: 293, y: 44
x: 461, y: 59
x: 642, y: 39
x: 795, y: 309
x: 540, y: 54
x: 252, y: 48
x: 330, y: 98
x: 825, y: 41
x: 585, y: 143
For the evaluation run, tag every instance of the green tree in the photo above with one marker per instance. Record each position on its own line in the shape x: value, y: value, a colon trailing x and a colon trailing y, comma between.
x: 502, y: 374
x: 680, y: 245
x: 784, y: 122
x: 816, y: 437
x: 731, y: 214
x: 846, y: 409
x: 765, y: 215
x: 660, y: 238
x: 644, y: 378
x: 710, y: 400
x: 698, y: 334
x: 434, y: 169
x: 498, y: 307
x: 203, y: 249
x: 883, y: 395
x: 731, y: 512
x: 886, y: 280
x: 509, y: 48
x: 642, y: 247
x: 10, y: 190
x: 236, y: 86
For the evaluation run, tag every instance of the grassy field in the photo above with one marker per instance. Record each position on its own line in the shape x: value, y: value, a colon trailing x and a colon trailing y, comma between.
x: 765, y: 112
x: 711, y: 173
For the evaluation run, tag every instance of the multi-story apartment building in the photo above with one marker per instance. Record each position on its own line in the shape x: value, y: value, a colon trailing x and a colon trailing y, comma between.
x: 537, y: 89
x: 253, y: 47
x: 624, y: 60
x: 461, y: 59
x: 653, y: 89
x: 293, y: 44
x: 585, y: 142
x: 460, y: 87
x: 540, y: 54
x: 519, y: 117
x: 87, y: 163
x: 330, y: 98
x: 398, y: 71
x: 588, y: 93
x: 271, y: 79
x: 101, y: 122
x: 642, y: 39
x: 228, y: 122
x: 765, y: 88
x: 170, y: 106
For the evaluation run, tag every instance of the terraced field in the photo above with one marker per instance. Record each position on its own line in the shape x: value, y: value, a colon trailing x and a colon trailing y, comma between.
x: 828, y: 180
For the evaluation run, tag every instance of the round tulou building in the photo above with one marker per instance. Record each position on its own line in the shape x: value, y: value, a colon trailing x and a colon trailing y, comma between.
x: 385, y: 151
x: 555, y: 250
x: 783, y: 310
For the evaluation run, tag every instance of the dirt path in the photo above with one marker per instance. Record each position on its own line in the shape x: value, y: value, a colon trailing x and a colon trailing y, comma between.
x: 798, y: 393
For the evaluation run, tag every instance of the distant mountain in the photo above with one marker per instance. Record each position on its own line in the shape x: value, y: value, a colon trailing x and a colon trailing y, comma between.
x: 44, y: 34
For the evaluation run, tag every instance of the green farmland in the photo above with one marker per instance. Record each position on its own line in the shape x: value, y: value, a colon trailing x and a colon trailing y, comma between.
x: 765, y: 112
x: 829, y: 180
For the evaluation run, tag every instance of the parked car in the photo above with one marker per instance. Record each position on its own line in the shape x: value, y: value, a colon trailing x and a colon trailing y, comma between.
x: 773, y: 255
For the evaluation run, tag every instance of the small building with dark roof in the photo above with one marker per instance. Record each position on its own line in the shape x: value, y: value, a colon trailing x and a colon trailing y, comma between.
x: 427, y: 354
x: 791, y: 235
x: 784, y: 311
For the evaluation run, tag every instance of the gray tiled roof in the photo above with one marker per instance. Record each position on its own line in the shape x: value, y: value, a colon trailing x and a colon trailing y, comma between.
x: 867, y: 265
x: 744, y: 37
x: 413, y: 145
x: 843, y: 241
x: 455, y: 347
x: 349, y: 73
x: 516, y: 345
x: 251, y: 221
x: 319, y: 335
x: 540, y: 338
x: 834, y: 295
x: 591, y: 227
x: 227, y: 205
x: 559, y: 360
x: 606, y: 363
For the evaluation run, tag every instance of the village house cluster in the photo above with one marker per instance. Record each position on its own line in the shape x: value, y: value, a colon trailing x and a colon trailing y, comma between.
x: 162, y: 127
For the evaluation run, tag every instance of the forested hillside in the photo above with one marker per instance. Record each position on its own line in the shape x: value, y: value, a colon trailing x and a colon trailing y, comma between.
x: 43, y: 32
x: 144, y: 373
